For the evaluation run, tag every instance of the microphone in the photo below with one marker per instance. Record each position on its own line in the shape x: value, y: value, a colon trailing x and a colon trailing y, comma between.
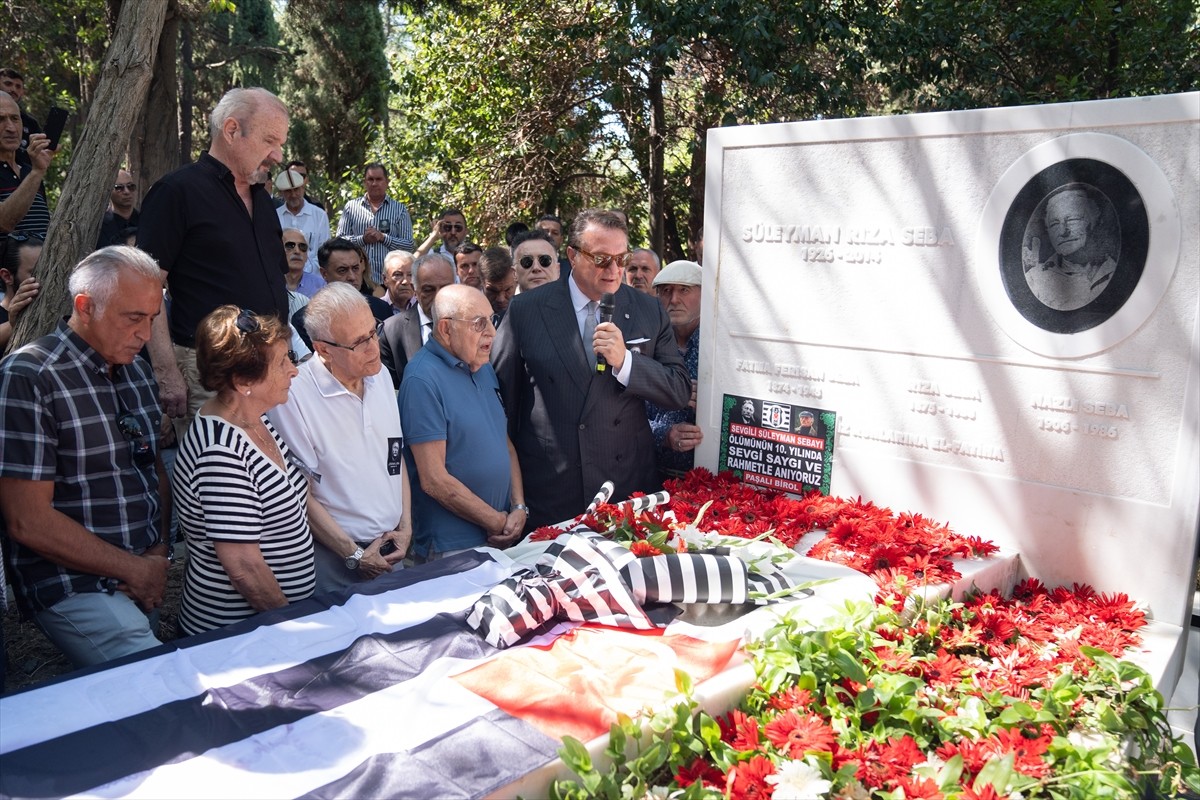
x: 606, y: 315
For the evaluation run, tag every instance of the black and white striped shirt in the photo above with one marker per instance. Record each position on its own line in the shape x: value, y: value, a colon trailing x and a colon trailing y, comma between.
x: 357, y: 216
x: 227, y: 490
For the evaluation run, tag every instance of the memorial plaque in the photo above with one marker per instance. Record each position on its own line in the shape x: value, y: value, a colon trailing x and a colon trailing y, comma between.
x: 777, y: 446
x: 999, y: 306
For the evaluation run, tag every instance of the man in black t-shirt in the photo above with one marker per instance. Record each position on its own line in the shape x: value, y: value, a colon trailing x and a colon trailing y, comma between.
x: 213, y: 229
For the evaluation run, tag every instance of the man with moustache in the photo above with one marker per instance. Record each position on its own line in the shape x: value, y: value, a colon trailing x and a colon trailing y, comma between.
x: 451, y: 228
x: 23, y: 206
x: 212, y: 227
x: 643, y: 266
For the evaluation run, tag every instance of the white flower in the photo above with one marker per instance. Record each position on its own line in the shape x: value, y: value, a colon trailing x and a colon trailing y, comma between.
x: 796, y: 780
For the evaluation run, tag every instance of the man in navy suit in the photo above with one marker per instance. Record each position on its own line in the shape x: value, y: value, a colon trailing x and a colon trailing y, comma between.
x: 575, y: 426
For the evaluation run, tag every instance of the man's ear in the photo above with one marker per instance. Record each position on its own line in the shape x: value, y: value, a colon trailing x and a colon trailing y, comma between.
x: 84, y: 307
x: 7, y: 278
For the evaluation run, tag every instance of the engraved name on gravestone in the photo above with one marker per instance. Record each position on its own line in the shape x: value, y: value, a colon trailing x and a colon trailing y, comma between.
x: 1000, y: 306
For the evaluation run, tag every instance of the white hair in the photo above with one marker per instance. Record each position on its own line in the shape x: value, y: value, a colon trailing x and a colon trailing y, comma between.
x: 431, y: 259
x: 242, y: 105
x: 333, y: 302
x: 96, y: 276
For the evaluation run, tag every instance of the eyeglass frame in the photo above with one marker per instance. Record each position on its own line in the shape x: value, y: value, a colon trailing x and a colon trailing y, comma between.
x: 373, y: 336
x: 451, y: 227
x: 603, y: 261
x: 479, y: 324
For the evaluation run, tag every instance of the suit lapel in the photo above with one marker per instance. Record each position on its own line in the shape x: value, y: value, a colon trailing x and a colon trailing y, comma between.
x: 411, y: 332
x: 562, y: 329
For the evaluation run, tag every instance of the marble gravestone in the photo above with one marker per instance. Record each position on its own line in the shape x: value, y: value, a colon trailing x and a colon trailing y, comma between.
x: 995, y: 311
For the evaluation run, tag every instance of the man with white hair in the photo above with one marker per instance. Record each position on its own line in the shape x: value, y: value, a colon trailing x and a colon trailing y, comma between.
x: 82, y: 485
x: 296, y: 212
x: 212, y: 227
x: 342, y: 425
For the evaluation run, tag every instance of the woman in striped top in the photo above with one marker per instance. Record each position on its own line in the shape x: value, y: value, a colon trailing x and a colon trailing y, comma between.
x: 241, y: 500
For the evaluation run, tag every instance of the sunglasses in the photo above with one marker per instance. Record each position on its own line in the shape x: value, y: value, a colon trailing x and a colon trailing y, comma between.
x: 479, y: 324
x: 455, y: 227
x: 293, y: 245
x: 604, y: 261
x: 131, y: 428
x: 124, y: 187
x: 544, y: 260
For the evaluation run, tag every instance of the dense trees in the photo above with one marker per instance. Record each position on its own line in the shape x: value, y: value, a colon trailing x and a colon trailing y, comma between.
x: 511, y: 108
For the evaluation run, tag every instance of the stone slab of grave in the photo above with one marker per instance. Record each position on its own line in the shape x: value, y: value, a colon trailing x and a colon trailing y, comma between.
x: 992, y: 316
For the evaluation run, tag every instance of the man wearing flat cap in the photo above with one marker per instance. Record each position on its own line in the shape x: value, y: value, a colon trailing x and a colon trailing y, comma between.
x: 676, y: 434
x: 296, y: 212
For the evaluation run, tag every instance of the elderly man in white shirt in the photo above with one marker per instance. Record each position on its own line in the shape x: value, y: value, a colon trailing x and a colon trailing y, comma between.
x: 298, y: 213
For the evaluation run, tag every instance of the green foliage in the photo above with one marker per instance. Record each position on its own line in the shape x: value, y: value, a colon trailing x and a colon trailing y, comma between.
x: 334, y: 80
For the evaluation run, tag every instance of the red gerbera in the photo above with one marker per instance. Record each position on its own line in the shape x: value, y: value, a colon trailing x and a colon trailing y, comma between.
x: 700, y: 770
x: 748, y: 780
x: 739, y: 731
x: 790, y: 698
x: 796, y: 735
x: 643, y: 549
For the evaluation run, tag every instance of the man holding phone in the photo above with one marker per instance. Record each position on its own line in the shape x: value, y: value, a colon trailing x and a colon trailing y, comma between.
x: 376, y: 222
x: 23, y: 205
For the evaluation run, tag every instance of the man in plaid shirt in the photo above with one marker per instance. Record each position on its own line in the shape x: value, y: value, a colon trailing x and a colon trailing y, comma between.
x: 81, y: 480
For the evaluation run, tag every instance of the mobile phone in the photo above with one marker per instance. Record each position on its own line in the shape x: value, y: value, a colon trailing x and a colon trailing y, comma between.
x: 55, y: 124
x: 387, y: 547
x: 385, y: 225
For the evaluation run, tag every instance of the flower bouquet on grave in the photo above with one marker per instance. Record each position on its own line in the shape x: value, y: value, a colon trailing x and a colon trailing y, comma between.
x: 989, y: 698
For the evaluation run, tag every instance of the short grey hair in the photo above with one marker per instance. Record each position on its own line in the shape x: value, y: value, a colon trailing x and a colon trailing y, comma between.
x: 657, y: 260
x: 243, y: 105
x: 334, y: 301
x: 394, y: 256
x: 453, y: 300
x: 431, y: 259
x: 96, y: 276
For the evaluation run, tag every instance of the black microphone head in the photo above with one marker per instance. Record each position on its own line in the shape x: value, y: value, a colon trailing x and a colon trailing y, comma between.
x: 607, y: 303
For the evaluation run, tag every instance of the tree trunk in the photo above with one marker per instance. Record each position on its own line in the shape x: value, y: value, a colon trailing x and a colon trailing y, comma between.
x: 124, y: 77
x: 657, y: 188
x: 154, y: 143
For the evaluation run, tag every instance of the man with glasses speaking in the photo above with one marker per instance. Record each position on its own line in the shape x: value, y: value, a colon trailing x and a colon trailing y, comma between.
x: 81, y: 480
x: 574, y: 383
x: 466, y: 484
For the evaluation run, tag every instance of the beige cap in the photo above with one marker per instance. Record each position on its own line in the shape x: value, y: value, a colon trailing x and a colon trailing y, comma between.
x: 289, y: 179
x: 686, y: 273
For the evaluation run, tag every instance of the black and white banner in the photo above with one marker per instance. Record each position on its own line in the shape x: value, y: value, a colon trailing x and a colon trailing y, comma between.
x: 584, y: 577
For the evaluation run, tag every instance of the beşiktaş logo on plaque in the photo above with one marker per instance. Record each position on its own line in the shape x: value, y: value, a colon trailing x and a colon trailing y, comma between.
x: 777, y: 416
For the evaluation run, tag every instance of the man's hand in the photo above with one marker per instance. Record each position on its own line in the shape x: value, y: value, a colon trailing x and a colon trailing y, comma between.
x: 514, y: 524
x: 148, y: 586
x: 372, y: 564
x: 402, y: 537
x: 39, y: 152
x: 373, y: 235
x: 23, y: 297
x: 683, y: 437
x: 692, y: 402
x: 172, y: 390
x: 608, y: 341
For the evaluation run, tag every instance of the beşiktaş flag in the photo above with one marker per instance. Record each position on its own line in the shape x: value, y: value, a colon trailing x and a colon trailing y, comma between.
x: 351, y: 695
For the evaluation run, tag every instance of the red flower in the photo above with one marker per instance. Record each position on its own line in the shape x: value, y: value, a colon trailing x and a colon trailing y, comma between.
x: 986, y: 793
x: 739, y: 731
x: 796, y: 735
x: 700, y: 770
x: 919, y: 788
x: 748, y: 780
x: 643, y: 549
x: 790, y: 698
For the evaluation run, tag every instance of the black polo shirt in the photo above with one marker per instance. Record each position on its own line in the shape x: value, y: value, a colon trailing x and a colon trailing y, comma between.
x: 195, y: 225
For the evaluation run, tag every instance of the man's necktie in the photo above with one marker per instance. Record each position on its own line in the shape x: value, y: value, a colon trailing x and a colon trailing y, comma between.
x: 589, y: 328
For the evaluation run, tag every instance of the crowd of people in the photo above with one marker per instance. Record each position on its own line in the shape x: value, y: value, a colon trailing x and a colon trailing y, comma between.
x: 313, y: 406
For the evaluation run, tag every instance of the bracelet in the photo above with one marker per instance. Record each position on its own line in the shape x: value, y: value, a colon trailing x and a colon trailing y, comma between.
x: 521, y: 507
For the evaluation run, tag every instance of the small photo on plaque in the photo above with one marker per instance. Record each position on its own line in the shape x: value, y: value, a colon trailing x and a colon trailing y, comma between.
x: 1073, y: 245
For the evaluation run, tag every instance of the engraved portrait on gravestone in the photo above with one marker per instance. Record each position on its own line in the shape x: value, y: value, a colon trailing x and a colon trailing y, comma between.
x: 1073, y: 245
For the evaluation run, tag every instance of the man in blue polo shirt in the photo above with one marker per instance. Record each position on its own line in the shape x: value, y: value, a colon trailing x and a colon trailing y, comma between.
x: 466, y: 483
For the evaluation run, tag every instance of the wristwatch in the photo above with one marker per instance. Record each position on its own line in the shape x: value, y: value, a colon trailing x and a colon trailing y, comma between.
x: 353, y: 559
x: 521, y: 507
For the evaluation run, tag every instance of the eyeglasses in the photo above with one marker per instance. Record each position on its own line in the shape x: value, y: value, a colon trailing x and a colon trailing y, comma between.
x: 124, y: 187
x: 139, y: 445
x: 293, y: 245
x: 479, y: 324
x: 370, y: 337
x: 603, y: 261
x: 456, y: 227
x: 544, y: 260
